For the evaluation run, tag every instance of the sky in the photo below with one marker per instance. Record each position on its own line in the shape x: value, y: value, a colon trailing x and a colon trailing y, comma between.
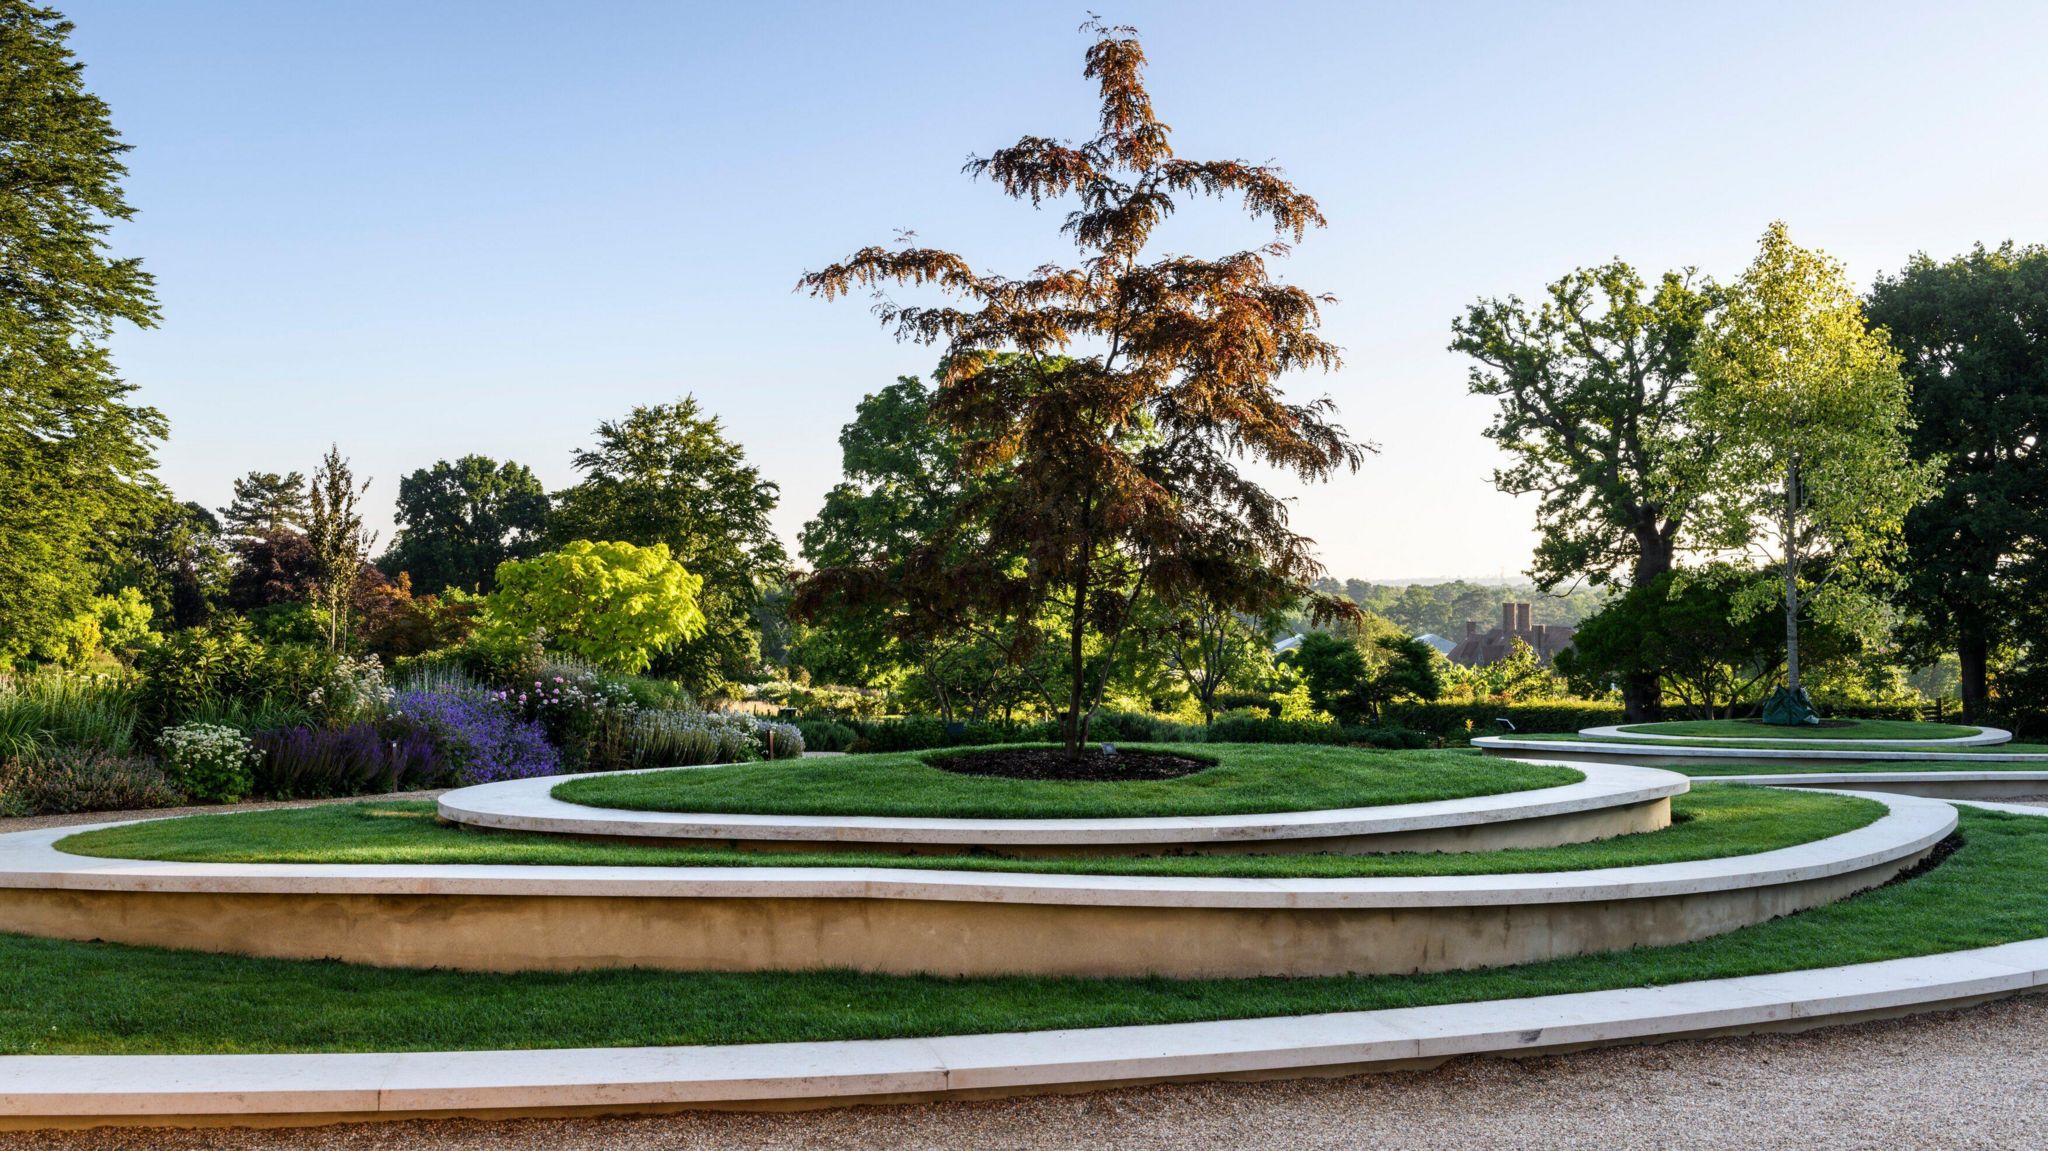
x: 419, y: 231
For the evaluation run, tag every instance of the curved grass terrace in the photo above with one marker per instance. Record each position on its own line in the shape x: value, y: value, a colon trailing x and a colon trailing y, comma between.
x: 92, y: 998
x: 1712, y: 824
x: 1247, y: 779
x: 1855, y: 729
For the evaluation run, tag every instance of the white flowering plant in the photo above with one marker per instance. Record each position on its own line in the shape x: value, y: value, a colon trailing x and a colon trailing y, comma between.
x: 209, y: 762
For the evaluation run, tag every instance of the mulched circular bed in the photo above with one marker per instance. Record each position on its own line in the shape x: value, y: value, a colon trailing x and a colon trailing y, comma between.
x: 1054, y: 763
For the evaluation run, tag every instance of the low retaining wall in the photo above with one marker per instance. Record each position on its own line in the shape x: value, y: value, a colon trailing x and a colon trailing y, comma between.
x: 44, y: 1091
x: 1611, y: 800
x: 931, y: 922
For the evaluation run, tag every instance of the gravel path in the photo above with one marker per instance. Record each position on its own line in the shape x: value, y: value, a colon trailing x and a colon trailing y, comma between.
x: 1970, y: 1079
x: 33, y: 822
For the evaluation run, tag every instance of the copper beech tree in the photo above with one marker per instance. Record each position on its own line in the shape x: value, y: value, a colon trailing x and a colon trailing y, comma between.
x: 1109, y: 404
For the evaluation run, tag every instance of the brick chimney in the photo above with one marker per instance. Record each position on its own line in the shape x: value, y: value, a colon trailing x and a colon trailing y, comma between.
x: 1471, y: 628
x: 1522, y: 617
x: 1507, y: 619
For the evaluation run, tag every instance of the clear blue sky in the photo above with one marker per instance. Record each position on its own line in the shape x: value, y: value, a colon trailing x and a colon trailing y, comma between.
x: 422, y: 230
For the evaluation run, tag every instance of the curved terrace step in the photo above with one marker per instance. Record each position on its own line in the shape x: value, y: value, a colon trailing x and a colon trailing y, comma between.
x: 1983, y: 737
x: 145, y: 1089
x: 1612, y: 799
x: 505, y: 917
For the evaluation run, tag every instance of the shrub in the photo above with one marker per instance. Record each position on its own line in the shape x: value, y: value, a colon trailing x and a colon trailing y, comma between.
x: 225, y: 675
x: 208, y: 762
x: 609, y: 602
x: 59, y: 781
x: 478, y: 738
x: 587, y: 714
x: 314, y: 762
x: 826, y: 734
x: 1247, y: 701
x: 1460, y: 720
x: 779, y: 740
x: 687, y: 738
x: 1259, y: 730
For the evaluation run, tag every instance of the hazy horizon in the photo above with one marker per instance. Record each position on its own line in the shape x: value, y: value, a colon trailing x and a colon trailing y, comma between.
x: 426, y: 231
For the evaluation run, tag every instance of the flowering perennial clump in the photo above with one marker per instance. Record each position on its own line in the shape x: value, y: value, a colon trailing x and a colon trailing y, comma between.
x: 209, y: 762
x: 481, y: 739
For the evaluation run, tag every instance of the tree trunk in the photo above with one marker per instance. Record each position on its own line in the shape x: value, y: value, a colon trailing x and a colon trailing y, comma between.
x: 1792, y: 575
x: 1973, y: 653
x: 1076, y: 734
x: 1642, y: 691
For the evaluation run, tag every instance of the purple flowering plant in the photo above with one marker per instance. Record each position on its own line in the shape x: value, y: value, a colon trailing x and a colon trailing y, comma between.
x: 482, y: 739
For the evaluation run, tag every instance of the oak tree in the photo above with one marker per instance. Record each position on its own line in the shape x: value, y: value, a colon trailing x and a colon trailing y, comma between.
x: 1973, y: 336
x: 1135, y: 386
x: 1593, y: 386
x: 458, y: 521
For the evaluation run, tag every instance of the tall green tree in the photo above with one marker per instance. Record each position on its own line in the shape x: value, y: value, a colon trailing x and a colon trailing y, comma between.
x: 1119, y: 468
x: 1973, y: 336
x: 458, y: 521
x: 337, y: 537
x: 669, y: 474
x: 178, y: 561
x: 266, y: 503
x: 1593, y: 387
x: 75, y: 449
x: 1810, y: 413
x: 902, y: 486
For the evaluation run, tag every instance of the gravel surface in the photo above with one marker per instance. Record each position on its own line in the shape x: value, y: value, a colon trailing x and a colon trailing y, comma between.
x: 1970, y: 1079
x: 33, y: 822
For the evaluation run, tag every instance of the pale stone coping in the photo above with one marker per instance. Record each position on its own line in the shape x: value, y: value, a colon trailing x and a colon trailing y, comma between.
x: 1984, y: 737
x: 527, y: 805
x: 1912, y: 824
x: 1851, y: 779
x: 1687, y: 751
x: 198, y: 1087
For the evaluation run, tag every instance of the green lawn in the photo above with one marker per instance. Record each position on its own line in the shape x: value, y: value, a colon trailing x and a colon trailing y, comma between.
x: 1717, y: 822
x: 1247, y: 778
x: 1859, y: 729
x: 60, y: 997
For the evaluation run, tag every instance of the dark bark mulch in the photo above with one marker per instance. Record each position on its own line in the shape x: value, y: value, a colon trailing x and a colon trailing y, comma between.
x: 1055, y: 763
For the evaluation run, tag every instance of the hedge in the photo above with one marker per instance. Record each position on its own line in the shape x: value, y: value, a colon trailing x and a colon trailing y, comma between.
x: 1461, y: 720
x: 1242, y: 730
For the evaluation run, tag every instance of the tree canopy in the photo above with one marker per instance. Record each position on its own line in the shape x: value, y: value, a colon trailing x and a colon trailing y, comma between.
x: 266, y: 502
x: 1593, y: 388
x: 668, y: 474
x: 1810, y: 410
x: 75, y: 449
x: 458, y: 521
x: 610, y: 603
x: 1133, y: 389
x: 1973, y: 336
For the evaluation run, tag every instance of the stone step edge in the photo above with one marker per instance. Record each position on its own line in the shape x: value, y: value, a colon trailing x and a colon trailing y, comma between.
x: 46, y: 1090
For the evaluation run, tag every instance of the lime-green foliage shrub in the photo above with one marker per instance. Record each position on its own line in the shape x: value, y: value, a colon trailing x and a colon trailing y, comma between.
x: 62, y: 780
x: 210, y: 763
x: 610, y: 603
